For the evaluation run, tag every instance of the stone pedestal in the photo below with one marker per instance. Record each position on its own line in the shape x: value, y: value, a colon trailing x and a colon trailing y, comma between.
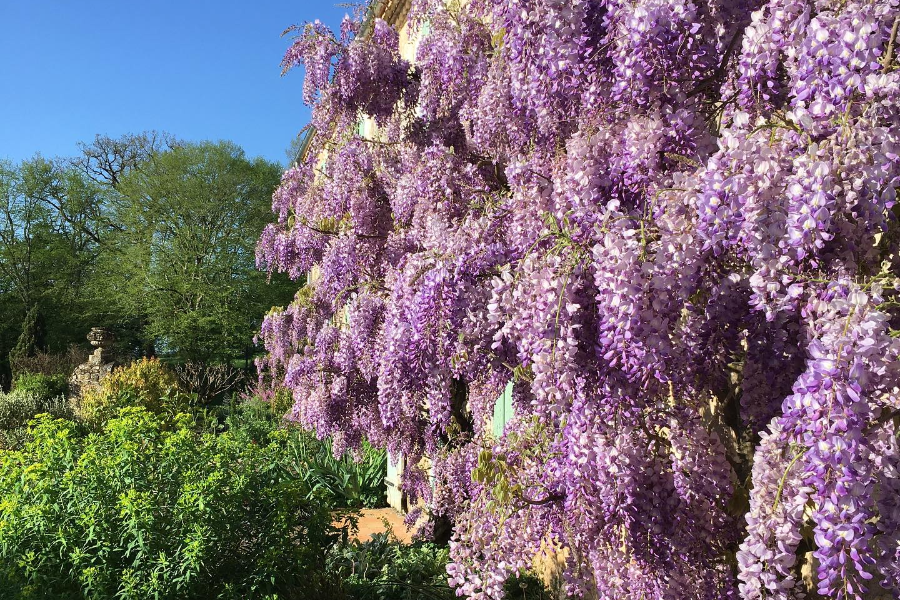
x: 98, y: 365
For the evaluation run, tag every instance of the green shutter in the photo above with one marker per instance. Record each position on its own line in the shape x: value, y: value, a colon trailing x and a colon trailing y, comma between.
x: 503, y: 410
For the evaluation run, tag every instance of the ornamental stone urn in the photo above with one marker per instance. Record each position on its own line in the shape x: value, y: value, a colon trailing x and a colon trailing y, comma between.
x: 98, y: 364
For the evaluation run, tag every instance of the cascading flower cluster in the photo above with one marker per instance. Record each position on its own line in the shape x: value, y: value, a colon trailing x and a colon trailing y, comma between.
x: 671, y: 225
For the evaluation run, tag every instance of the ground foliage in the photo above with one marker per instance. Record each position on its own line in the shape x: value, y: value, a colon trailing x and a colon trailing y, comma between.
x: 348, y: 481
x: 155, y: 505
x: 147, y: 383
x: 20, y: 406
x: 671, y: 224
x: 149, y: 508
x: 381, y: 568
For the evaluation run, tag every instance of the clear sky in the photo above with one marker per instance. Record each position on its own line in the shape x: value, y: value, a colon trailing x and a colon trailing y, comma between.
x: 199, y: 69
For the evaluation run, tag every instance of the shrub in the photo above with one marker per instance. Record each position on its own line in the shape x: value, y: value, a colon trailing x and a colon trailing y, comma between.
x: 42, y: 385
x: 282, y: 401
x: 347, y: 481
x: 253, y: 419
x: 148, y: 508
x: 384, y: 569
x: 31, y: 338
x: 21, y: 405
x: 279, y: 399
x: 210, y: 382
x: 344, y: 482
x: 146, y: 383
x: 47, y: 363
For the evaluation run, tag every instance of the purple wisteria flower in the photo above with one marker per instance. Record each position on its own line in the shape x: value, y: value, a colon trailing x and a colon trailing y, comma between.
x: 672, y: 226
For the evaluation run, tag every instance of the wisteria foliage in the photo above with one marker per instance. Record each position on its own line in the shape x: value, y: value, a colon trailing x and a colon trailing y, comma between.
x: 672, y: 225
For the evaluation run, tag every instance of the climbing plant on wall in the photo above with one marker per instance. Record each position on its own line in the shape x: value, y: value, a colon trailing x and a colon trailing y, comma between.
x: 671, y: 225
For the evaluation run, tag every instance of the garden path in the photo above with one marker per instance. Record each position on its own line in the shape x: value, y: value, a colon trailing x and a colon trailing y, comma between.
x: 371, y: 521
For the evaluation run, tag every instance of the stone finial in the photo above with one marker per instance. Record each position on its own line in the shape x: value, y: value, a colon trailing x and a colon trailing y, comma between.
x: 100, y: 337
x: 98, y: 364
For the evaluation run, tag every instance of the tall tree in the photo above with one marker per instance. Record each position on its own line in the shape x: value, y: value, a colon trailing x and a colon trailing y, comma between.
x: 46, y: 252
x: 107, y: 160
x: 181, y: 255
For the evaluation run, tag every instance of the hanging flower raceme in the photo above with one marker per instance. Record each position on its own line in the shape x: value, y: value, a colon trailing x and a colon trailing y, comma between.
x: 662, y: 234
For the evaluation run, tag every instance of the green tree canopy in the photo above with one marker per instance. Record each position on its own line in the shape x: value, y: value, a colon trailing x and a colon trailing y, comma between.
x: 48, y: 214
x: 182, y: 251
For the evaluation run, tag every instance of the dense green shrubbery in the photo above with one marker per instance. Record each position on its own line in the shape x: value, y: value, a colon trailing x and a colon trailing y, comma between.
x: 152, y: 509
x: 43, y: 386
x: 383, y: 569
x: 228, y: 502
x: 146, y: 382
x: 342, y: 482
x: 251, y: 418
x: 21, y: 405
x: 345, y: 481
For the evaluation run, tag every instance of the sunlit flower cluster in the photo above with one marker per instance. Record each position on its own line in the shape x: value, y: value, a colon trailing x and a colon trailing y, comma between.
x: 671, y: 225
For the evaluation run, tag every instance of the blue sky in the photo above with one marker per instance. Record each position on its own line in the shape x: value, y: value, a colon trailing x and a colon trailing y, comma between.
x: 199, y: 69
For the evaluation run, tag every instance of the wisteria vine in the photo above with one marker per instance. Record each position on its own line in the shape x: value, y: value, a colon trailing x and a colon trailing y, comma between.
x: 671, y: 225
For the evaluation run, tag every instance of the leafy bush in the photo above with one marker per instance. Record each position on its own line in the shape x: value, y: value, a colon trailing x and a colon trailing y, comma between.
x: 346, y: 482
x: 383, y: 569
x: 31, y: 339
x: 41, y: 385
x: 282, y: 401
x: 342, y: 482
x: 279, y: 398
x: 20, y: 406
x: 146, y: 382
x: 148, y: 508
